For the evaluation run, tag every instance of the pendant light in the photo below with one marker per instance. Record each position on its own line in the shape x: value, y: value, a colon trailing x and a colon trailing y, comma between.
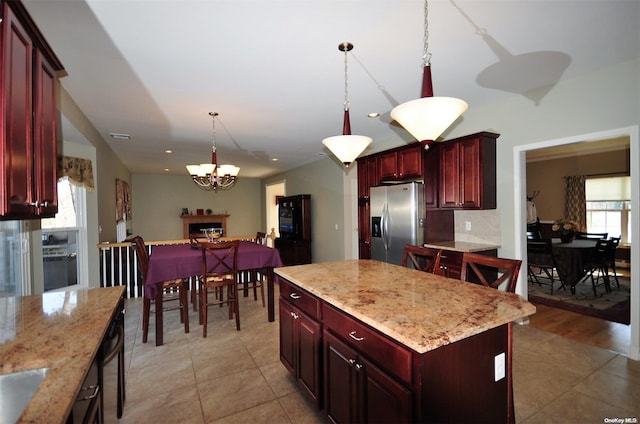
x: 428, y: 117
x: 211, y: 176
x: 346, y: 147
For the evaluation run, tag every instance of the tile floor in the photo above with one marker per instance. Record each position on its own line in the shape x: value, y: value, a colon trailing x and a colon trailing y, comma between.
x: 236, y: 377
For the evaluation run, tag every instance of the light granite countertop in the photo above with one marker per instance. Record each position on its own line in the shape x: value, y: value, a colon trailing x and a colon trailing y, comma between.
x: 61, y: 331
x: 462, y: 246
x: 422, y: 311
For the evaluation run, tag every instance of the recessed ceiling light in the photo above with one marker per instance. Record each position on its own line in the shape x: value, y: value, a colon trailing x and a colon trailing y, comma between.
x: 166, y: 169
x: 168, y: 151
x: 120, y: 136
x: 322, y: 154
x: 373, y: 115
x: 274, y: 159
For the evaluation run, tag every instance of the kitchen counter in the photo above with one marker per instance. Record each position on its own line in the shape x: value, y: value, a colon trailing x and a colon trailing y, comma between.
x: 422, y: 311
x: 462, y: 246
x: 61, y: 331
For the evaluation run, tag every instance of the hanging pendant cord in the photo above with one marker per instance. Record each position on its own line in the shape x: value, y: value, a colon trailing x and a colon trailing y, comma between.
x: 426, y: 56
x: 346, y: 87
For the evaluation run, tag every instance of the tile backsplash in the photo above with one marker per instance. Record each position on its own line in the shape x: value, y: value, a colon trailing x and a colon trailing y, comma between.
x: 485, y: 226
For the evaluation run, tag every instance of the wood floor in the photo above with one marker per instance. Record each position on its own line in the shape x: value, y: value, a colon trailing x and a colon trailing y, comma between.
x: 594, y: 331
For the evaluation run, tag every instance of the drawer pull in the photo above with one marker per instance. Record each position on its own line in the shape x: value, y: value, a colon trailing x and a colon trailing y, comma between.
x: 294, y: 315
x: 295, y: 296
x: 96, y: 390
x: 352, y: 362
x: 354, y: 337
x: 358, y: 367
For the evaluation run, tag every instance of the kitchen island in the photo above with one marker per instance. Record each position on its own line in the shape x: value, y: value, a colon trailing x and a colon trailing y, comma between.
x: 372, y: 341
x: 62, y: 331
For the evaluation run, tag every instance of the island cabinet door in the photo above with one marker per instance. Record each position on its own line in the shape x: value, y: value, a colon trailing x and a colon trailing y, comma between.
x: 357, y: 391
x: 300, y: 348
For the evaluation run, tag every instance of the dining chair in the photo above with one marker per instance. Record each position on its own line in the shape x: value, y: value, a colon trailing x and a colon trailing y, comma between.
x: 493, y: 272
x: 219, y: 271
x: 261, y: 238
x: 603, y: 263
x: 541, y: 264
x: 490, y: 271
x: 422, y: 258
x: 590, y: 236
x: 172, y: 290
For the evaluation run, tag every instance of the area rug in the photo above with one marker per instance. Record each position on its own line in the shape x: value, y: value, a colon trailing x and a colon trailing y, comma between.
x: 614, y: 306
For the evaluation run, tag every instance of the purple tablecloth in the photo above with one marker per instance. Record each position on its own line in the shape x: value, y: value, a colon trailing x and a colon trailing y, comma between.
x: 173, y: 261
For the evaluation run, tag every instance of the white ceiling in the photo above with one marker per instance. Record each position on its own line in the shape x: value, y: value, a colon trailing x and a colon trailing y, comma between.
x: 272, y: 70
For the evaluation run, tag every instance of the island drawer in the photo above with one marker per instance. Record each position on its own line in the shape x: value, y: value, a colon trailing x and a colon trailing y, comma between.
x: 386, y: 353
x: 302, y: 299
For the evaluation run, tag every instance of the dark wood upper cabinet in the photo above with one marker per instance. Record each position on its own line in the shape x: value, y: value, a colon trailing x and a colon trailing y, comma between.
x: 28, y: 95
x: 468, y: 172
x: 401, y: 164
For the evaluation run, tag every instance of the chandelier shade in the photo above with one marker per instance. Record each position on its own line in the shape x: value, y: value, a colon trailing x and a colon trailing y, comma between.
x: 346, y: 147
x: 211, y: 176
x: 428, y: 117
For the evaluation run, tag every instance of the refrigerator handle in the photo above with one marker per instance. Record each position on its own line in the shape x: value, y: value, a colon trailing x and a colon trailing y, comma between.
x: 384, y: 226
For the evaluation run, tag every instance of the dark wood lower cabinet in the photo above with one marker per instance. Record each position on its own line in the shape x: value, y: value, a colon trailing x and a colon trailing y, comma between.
x: 88, y: 405
x: 357, y: 374
x: 356, y: 391
x: 300, y: 348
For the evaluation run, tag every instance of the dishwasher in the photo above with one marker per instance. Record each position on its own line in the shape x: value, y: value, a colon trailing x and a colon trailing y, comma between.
x: 112, y: 369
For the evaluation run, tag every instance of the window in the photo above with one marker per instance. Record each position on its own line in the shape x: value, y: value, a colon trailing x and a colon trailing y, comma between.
x: 609, y: 206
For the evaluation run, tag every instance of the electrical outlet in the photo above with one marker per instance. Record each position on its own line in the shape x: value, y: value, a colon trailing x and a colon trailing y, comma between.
x: 467, y: 225
x: 499, y: 366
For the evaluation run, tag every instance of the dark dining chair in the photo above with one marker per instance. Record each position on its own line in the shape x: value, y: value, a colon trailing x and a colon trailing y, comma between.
x: 590, y: 236
x: 603, y: 264
x: 172, y: 291
x: 494, y: 272
x: 490, y: 271
x: 219, y: 271
x: 541, y: 264
x: 422, y: 258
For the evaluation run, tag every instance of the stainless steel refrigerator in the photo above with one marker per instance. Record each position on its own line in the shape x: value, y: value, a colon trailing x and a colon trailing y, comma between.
x: 397, y: 219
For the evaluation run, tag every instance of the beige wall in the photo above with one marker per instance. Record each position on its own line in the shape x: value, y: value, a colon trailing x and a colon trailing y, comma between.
x: 108, y: 168
x: 323, y: 180
x: 157, y: 201
x: 547, y: 177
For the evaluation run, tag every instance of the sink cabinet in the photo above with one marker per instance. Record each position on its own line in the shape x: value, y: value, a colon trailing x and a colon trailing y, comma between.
x: 88, y: 405
x: 28, y: 87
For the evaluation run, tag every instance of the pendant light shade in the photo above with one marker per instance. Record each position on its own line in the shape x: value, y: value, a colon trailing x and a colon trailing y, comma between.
x: 428, y: 117
x: 346, y: 147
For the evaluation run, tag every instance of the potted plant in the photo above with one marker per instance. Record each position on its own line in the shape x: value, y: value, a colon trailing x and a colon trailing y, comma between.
x: 566, y: 229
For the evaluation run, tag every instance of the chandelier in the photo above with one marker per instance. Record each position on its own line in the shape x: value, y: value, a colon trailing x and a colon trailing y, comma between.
x: 211, y: 176
x: 346, y: 147
x: 428, y: 117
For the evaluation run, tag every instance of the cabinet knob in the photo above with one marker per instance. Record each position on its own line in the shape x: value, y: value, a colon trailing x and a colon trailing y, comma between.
x: 358, y: 367
x: 294, y: 315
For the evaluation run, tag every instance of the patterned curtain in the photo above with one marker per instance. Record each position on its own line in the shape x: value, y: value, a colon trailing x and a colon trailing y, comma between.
x: 79, y: 171
x: 575, y: 200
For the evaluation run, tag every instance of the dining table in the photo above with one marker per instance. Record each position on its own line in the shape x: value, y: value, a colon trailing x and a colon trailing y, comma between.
x: 173, y: 261
x: 573, y: 259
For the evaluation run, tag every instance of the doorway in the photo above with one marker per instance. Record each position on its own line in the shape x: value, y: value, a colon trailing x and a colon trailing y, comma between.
x: 272, y: 193
x: 520, y: 211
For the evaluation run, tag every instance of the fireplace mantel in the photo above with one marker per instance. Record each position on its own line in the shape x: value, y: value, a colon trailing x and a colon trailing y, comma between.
x: 203, y: 219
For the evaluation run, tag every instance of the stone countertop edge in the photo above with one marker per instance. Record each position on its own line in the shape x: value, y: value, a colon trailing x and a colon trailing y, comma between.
x: 61, y: 331
x: 420, y: 310
x: 462, y: 246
